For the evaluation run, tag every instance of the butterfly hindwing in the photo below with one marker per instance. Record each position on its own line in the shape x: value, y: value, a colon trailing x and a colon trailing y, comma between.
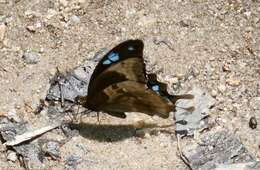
x: 161, y: 88
x: 130, y: 96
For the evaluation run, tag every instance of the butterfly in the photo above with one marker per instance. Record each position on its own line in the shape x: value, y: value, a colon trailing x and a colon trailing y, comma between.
x: 120, y: 84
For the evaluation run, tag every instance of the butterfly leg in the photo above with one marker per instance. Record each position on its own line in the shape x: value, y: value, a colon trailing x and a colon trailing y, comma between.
x: 98, y: 119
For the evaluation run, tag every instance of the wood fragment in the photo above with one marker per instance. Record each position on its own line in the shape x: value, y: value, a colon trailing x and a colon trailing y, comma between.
x: 32, y: 134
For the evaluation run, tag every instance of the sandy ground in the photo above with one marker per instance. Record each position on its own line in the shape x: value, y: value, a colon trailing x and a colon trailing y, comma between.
x: 214, y: 44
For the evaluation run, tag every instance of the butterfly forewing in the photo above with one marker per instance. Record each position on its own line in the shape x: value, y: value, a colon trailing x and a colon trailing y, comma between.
x: 124, y: 62
x: 128, y: 69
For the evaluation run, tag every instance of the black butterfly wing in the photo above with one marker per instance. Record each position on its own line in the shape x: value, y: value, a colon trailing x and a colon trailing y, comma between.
x: 124, y: 62
x: 161, y: 88
x: 119, y: 84
x: 131, y: 96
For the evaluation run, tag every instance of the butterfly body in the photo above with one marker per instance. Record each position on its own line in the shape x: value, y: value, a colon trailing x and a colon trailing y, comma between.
x: 119, y: 84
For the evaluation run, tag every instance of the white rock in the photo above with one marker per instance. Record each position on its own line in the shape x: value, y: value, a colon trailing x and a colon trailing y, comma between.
x: 31, y: 57
x: 222, y: 88
x: 64, y: 3
x: 75, y: 19
x: 11, y: 156
x: 2, y: 32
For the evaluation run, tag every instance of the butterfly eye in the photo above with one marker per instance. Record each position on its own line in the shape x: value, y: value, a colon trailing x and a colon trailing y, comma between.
x: 113, y: 57
x: 106, y: 62
x: 156, y: 88
x: 131, y: 48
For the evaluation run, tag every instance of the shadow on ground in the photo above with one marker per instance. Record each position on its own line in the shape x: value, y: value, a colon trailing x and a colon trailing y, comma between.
x: 105, y: 133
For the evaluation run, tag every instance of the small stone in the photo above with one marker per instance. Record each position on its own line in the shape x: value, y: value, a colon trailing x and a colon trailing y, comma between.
x: 52, y: 148
x: 75, y: 19
x: 64, y: 3
x: 31, y: 57
x: 171, y: 79
x: 34, y: 27
x: 130, y: 12
x: 233, y: 82
x: 73, y: 161
x: 51, y: 13
x: 214, y: 93
x: 11, y: 156
x: 31, y: 28
x: 146, y: 21
x: 253, y: 123
x: 2, y: 32
x: 81, y: 1
x: 2, y: 147
x: 12, y: 115
x: 147, y: 135
x: 180, y: 76
x: 222, y: 88
x: 255, y: 103
x: 184, y: 23
x: 258, y: 9
x: 226, y: 67
x: 3, y: 114
x: 247, y: 14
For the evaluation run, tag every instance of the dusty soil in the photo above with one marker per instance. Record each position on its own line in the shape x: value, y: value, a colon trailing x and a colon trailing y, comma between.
x: 213, y: 44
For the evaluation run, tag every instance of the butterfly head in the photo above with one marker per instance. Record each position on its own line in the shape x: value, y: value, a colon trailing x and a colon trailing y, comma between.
x: 82, y: 100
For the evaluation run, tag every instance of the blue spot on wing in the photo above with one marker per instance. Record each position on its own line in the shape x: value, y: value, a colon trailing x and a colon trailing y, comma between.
x: 113, y: 57
x: 106, y: 62
x: 156, y: 88
x: 131, y: 48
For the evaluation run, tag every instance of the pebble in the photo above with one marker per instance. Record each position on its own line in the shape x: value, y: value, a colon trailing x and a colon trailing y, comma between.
x: 2, y: 147
x: 171, y: 79
x: 146, y: 20
x: 255, y: 103
x: 253, y: 123
x: 130, y: 12
x: 258, y: 9
x: 75, y: 19
x: 222, y: 88
x: 33, y: 28
x: 11, y: 156
x: 81, y: 1
x: 233, y: 82
x: 214, y: 93
x: 226, y: 67
x: 31, y: 57
x: 52, y: 148
x: 2, y: 32
x: 64, y: 3
x: 12, y: 114
x: 73, y: 161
